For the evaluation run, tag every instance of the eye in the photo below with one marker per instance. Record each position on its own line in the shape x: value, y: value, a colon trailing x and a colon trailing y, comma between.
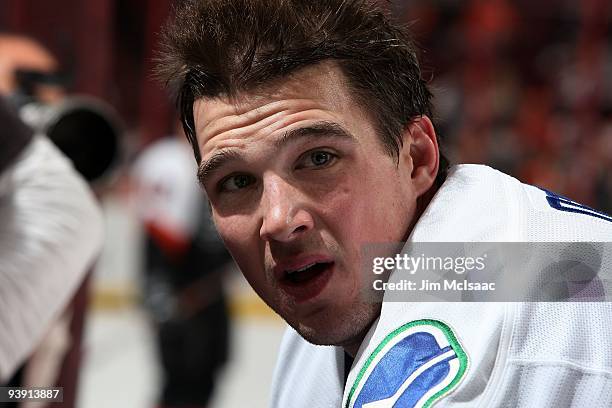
x: 236, y: 182
x: 316, y: 159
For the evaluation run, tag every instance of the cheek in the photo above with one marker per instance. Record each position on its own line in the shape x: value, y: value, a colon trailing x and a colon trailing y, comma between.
x: 245, y: 248
x: 369, y: 211
x: 240, y: 234
x: 343, y: 214
x: 240, y: 239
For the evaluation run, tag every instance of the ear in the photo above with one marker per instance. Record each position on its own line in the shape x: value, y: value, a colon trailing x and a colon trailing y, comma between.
x: 420, y: 152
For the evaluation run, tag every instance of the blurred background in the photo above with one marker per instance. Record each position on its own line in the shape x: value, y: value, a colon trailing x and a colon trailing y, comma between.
x: 524, y: 86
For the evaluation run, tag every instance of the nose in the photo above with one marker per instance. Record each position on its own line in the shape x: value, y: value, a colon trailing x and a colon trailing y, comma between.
x: 285, y: 214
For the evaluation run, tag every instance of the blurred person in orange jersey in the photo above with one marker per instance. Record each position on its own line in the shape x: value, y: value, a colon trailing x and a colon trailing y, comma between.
x: 184, y: 262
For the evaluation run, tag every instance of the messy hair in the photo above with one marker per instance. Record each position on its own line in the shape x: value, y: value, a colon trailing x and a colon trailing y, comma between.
x: 211, y: 48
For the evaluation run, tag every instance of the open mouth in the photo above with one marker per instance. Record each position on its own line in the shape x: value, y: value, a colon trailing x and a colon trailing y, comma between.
x: 308, y: 281
x: 306, y: 273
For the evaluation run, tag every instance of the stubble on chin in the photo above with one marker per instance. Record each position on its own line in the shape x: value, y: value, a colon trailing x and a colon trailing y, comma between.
x: 347, y: 330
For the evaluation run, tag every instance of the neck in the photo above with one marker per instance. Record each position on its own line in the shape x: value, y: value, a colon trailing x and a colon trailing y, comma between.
x: 351, y: 346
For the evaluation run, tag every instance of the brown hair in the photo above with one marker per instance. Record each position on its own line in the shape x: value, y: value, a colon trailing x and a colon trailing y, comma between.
x: 222, y: 47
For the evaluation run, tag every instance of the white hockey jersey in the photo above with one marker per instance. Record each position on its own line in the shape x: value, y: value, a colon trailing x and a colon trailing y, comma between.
x: 472, y: 354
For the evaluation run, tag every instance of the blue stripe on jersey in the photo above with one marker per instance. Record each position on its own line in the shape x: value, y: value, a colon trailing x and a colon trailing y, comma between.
x: 561, y: 203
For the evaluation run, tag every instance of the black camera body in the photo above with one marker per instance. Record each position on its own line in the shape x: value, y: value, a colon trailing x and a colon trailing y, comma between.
x: 85, y: 129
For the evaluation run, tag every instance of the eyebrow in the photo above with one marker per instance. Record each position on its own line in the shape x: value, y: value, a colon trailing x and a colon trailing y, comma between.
x: 220, y: 158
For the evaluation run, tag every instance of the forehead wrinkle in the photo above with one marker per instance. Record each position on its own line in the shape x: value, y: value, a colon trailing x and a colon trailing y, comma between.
x: 233, y: 117
x: 318, y: 129
x: 253, y: 128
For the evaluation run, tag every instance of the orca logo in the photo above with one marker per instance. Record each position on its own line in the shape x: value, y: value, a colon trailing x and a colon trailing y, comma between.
x: 413, y: 367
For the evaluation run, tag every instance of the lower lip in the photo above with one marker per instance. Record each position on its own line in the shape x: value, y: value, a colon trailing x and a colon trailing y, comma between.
x: 304, y: 291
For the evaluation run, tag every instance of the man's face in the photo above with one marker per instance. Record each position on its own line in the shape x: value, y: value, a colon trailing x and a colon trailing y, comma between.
x: 21, y: 53
x: 298, y: 181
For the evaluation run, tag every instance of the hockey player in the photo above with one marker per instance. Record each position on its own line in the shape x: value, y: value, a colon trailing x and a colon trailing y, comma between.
x: 311, y: 126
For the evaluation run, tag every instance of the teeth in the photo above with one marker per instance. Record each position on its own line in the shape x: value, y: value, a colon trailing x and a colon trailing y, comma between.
x: 301, y: 269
